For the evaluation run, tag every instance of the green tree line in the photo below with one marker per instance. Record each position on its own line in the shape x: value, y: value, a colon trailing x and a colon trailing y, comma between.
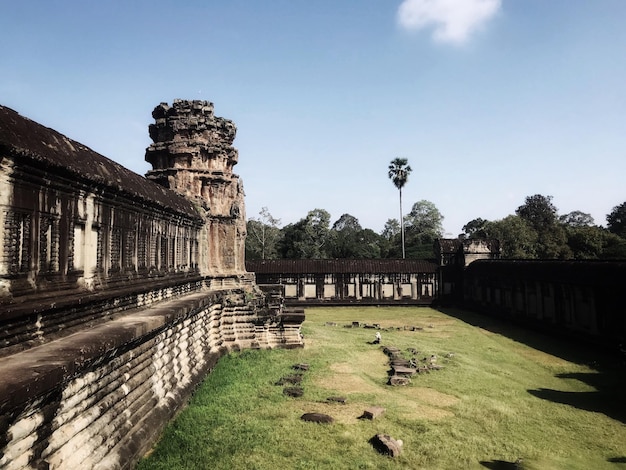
x: 535, y: 231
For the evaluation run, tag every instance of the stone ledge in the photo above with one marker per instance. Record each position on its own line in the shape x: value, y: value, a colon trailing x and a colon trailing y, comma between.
x: 37, y: 371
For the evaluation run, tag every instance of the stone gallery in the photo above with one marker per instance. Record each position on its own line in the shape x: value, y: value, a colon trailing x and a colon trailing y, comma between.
x: 119, y: 293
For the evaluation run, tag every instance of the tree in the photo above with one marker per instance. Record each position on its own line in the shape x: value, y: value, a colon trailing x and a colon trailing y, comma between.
x: 617, y: 220
x: 263, y: 236
x: 399, y: 171
x: 539, y: 212
x: 585, y: 242
x: 577, y: 219
x: 391, y: 229
x: 346, y: 232
x: 350, y: 240
x: 475, y: 228
x: 613, y: 246
x: 307, y: 238
x: 425, y: 218
x: 423, y: 227
x: 518, y: 239
x: 347, y: 222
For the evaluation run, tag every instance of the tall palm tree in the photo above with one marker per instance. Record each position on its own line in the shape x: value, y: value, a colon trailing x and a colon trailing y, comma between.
x: 399, y: 171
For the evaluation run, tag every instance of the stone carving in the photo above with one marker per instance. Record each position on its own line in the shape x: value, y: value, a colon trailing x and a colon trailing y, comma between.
x: 118, y: 294
x: 192, y: 154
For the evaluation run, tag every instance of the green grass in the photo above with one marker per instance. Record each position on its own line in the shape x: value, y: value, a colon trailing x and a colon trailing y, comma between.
x: 505, y: 393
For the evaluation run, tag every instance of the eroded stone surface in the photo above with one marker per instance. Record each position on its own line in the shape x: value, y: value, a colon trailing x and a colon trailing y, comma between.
x: 192, y: 154
x: 373, y: 412
x: 118, y: 295
x: 387, y: 445
x: 317, y: 418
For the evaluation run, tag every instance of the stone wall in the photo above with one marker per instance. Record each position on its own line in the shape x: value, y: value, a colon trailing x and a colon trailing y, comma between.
x: 99, y: 398
x: 582, y: 299
x: 117, y: 294
x: 193, y: 154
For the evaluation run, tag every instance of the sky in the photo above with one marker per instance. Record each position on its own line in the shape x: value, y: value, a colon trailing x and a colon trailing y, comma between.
x: 490, y: 101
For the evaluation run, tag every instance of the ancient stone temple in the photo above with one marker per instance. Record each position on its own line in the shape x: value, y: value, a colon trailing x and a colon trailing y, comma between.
x: 118, y: 293
x: 193, y: 154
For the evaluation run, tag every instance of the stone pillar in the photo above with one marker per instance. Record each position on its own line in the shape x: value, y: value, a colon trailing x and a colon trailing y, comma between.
x: 193, y: 154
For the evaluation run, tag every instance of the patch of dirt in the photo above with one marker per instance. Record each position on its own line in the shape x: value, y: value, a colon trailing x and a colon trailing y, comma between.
x: 345, y: 380
x: 429, y: 396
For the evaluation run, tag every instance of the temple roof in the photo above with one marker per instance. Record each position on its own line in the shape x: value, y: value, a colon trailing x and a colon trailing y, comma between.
x: 23, y: 138
x: 346, y: 266
x: 447, y: 245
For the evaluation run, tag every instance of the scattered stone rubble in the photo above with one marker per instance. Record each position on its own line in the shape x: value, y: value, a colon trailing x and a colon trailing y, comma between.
x: 402, y: 369
x: 293, y: 380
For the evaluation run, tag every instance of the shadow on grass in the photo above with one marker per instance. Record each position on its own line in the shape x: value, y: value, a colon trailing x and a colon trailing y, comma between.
x: 500, y: 465
x: 597, y: 402
x: 617, y: 460
x: 609, y: 380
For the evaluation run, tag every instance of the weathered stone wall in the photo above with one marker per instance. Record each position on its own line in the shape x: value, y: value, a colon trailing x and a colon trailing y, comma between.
x: 99, y: 398
x: 117, y: 295
x: 73, y: 219
x: 576, y: 298
x: 193, y: 154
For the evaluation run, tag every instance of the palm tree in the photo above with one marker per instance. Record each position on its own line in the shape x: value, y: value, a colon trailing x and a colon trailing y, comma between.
x: 399, y: 171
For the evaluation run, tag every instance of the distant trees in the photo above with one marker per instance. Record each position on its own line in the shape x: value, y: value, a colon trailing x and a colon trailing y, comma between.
x: 263, y: 236
x: 399, y: 171
x: 424, y: 224
x: 616, y: 220
x: 535, y: 231
x: 577, y: 219
x: 350, y: 240
x: 538, y: 232
x: 517, y: 237
x: 307, y: 238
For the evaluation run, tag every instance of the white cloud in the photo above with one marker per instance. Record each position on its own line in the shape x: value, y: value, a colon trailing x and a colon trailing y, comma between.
x: 454, y: 20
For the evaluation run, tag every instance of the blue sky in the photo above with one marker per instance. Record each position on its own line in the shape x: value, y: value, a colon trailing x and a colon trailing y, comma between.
x: 489, y: 100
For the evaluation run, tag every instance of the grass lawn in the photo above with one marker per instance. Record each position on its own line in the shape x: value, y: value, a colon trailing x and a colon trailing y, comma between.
x: 503, y: 393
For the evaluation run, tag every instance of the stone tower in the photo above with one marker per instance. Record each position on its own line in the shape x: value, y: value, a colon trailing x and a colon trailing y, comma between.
x: 193, y: 154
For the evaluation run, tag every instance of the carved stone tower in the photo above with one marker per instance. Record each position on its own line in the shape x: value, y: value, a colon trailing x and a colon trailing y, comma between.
x: 193, y: 155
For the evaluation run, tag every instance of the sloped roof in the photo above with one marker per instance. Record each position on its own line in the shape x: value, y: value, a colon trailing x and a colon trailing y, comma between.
x: 447, y: 245
x: 343, y: 266
x: 21, y: 137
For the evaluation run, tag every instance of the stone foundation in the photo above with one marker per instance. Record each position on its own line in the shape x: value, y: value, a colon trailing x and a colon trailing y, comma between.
x: 100, y: 397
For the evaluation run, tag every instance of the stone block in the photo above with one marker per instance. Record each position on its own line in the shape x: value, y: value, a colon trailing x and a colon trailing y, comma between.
x: 317, y: 418
x: 403, y: 371
x: 294, y: 392
x: 396, y: 380
x: 341, y: 400
x: 373, y: 412
x: 387, y: 445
